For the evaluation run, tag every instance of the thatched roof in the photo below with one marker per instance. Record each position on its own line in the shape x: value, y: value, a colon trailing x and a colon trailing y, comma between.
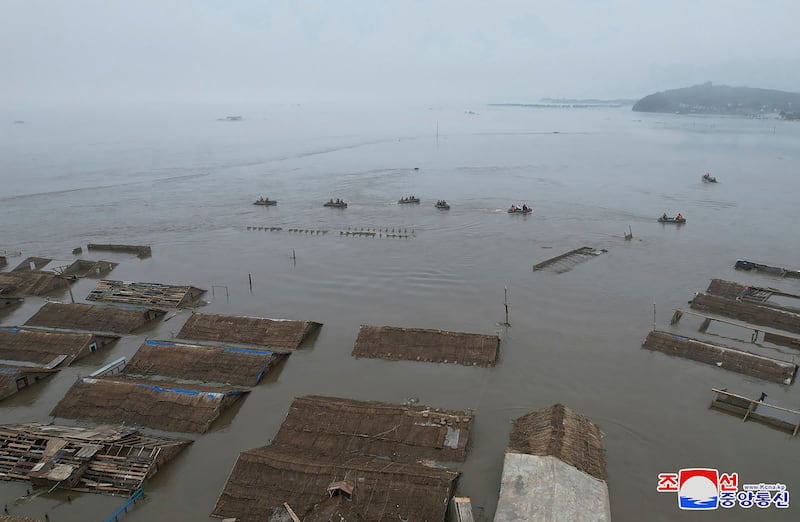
x: 89, y: 268
x: 102, y: 459
x: 221, y: 364
x: 247, y: 330
x: 146, y: 294
x: 341, y: 427
x: 560, y: 432
x: 24, y: 283
x: 747, y: 312
x: 79, y: 316
x: 10, y: 376
x: 153, y: 404
x: 414, y: 344
x: 265, y: 478
x: 41, y: 346
x: 12, y: 518
x: 38, y: 264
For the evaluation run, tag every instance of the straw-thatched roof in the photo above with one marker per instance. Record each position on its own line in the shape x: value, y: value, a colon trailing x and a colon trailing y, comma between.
x: 89, y: 268
x: 43, y: 347
x: 341, y: 427
x: 24, y: 283
x: 264, y: 478
x: 14, y: 378
x: 146, y: 294
x: 12, y: 518
x: 102, y: 459
x: 415, y: 344
x: 79, y: 316
x: 247, y: 330
x: 153, y: 404
x: 37, y: 262
x: 560, y: 432
x: 221, y: 364
x: 748, y: 312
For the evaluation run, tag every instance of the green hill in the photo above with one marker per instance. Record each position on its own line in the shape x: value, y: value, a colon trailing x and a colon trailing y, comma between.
x: 720, y: 99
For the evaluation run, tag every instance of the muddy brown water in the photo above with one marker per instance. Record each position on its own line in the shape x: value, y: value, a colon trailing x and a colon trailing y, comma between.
x: 185, y: 184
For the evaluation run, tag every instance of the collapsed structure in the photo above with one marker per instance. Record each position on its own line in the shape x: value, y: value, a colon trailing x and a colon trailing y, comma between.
x: 103, y: 459
x: 156, y: 295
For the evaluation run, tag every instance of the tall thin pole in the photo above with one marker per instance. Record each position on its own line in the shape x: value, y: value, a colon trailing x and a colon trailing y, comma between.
x: 437, y: 132
x: 505, y: 302
x: 654, y: 316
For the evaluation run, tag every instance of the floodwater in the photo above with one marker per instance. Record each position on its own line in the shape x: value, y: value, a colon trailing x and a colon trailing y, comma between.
x: 184, y: 183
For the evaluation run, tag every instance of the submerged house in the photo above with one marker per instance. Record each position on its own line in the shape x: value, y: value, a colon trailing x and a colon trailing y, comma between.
x: 554, y: 469
x: 155, y: 295
x: 193, y: 362
x: 416, y: 344
x: 260, y: 331
x: 152, y: 404
x: 365, y: 461
x: 29, y: 282
x: 16, y: 378
x: 48, y: 348
x: 97, y: 318
x: 103, y: 459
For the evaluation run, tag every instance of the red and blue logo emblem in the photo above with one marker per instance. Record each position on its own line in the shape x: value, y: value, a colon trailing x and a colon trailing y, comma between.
x: 698, y: 488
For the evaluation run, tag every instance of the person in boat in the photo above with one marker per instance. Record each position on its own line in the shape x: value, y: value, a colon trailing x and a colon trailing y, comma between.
x: 525, y: 207
x: 330, y: 202
x: 680, y: 217
x: 706, y: 175
x: 665, y: 217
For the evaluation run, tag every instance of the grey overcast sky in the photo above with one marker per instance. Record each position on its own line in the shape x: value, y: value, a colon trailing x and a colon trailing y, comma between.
x: 92, y: 51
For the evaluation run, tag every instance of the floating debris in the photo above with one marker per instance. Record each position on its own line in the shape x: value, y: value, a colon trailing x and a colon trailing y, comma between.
x: 566, y: 261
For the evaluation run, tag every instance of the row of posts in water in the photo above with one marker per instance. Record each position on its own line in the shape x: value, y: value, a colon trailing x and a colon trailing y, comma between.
x: 394, y: 232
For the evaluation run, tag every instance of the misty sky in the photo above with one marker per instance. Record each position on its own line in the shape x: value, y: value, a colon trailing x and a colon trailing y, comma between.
x: 94, y: 51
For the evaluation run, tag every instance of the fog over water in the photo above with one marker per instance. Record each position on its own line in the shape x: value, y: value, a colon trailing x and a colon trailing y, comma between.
x: 119, y: 140
x: 184, y: 183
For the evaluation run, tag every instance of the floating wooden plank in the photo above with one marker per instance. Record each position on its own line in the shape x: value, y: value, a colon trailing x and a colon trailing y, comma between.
x: 722, y: 356
x: 566, y: 261
x: 343, y: 426
x: 778, y: 417
x: 747, y: 312
x: 258, y: 331
x: 141, y: 251
x: 415, y: 344
x: 146, y: 294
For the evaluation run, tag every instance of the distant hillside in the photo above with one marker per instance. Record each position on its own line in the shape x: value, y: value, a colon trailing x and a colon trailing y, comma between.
x: 720, y: 99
